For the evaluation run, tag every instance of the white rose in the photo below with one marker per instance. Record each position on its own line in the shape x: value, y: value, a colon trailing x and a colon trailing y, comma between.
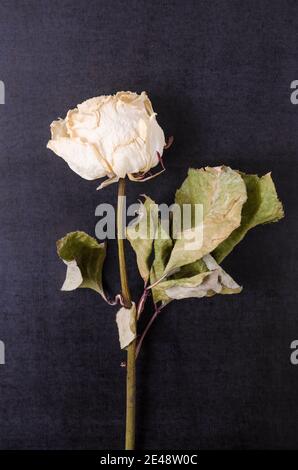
x: 112, y: 136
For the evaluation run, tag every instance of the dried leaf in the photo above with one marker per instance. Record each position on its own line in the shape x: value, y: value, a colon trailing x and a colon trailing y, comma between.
x: 73, y: 278
x: 205, y: 284
x: 162, y: 249
x: 228, y: 285
x: 84, y: 258
x: 262, y: 206
x: 141, y: 235
x: 221, y: 192
x: 126, y: 321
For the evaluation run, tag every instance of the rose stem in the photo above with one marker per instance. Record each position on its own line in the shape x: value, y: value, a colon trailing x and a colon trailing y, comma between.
x: 131, y: 349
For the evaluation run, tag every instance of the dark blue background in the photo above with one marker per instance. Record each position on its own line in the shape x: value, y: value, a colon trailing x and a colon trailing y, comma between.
x: 213, y: 373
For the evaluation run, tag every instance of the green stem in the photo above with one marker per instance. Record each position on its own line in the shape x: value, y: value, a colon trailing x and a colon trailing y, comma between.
x: 131, y: 349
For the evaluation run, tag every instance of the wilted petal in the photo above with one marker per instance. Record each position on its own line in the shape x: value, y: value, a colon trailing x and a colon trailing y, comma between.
x: 88, y: 166
x: 58, y: 129
x: 131, y: 158
x: 107, y: 182
x: 155, y: 141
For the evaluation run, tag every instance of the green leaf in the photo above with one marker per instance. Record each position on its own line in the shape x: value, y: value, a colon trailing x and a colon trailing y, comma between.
x: 262, y: 206
x: 126, y: 322
x: 221, y: 192
x: 141, y: 235
x: 84, y: 258
x: 205, y: 284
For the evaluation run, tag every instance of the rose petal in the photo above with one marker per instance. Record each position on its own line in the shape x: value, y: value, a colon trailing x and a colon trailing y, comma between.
x: 88, y: 166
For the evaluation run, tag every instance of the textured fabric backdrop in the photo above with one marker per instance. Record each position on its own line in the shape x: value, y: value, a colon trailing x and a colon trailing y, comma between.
x: 213, y: 373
